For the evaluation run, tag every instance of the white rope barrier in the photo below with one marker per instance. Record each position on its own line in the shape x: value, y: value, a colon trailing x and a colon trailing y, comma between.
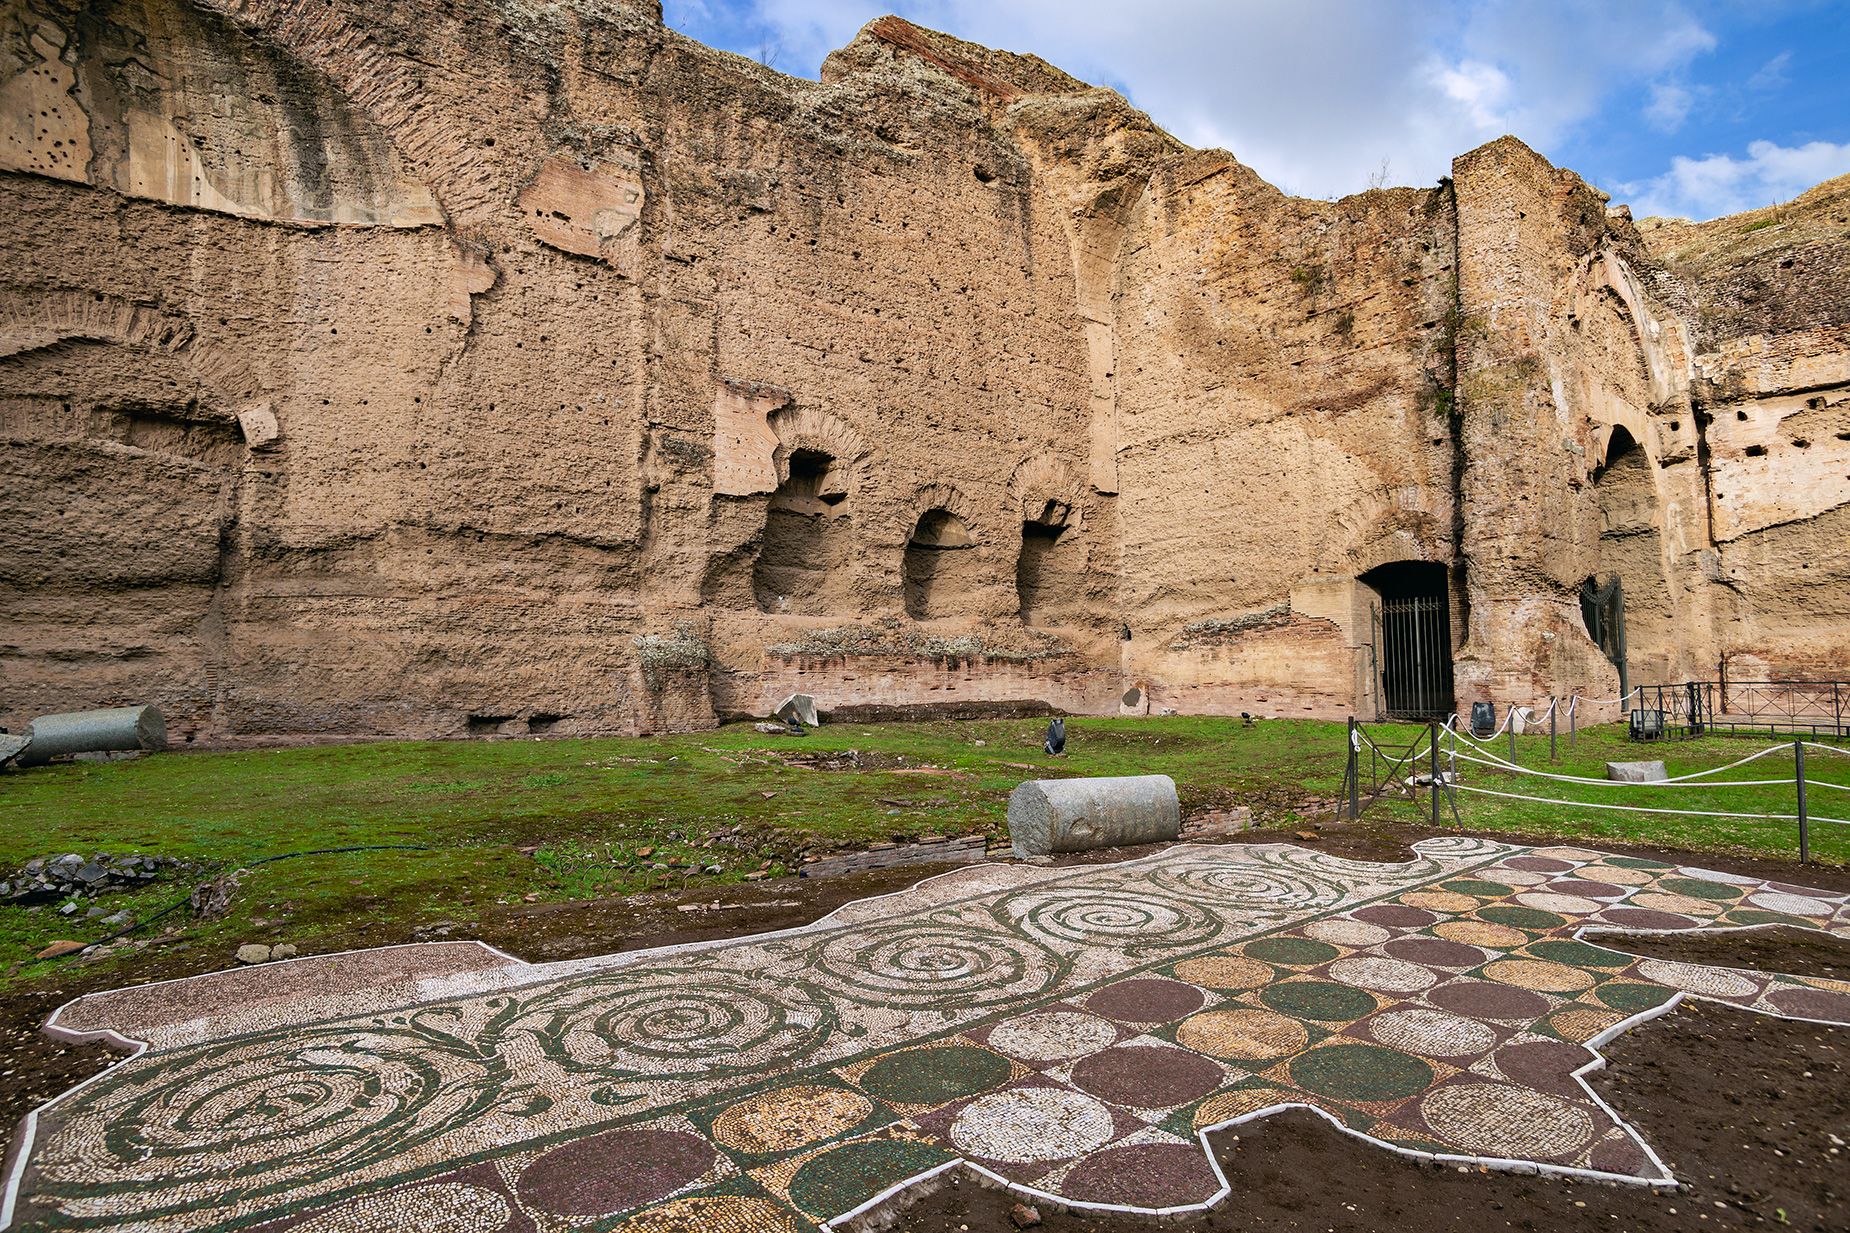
x: 1621, y: 783
x: 1685, y: 813
x: 1676, y: 780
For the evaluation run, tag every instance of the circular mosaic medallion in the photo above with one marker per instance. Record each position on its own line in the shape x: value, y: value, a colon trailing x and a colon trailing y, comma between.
x: 1449, y: 902
x: 1394, y: 915
x: 1518, y: 877
x: 1147, y: 999
x: 1345, y: 931
x: 1539, y: 864
x: 1795, y: 905
x: 935, y: 1075
x: 1318, y: 999
x: 790, y: 1117
x: 1282, y: 884
x: 1584, y: 888
x: 923, y: 965
x: 1699, y: 888
x: 839, y: 1180
x: 1538, y: 974
x: 1644, y: 918
x: 1522, y: 918
x: 1545, y: 1065
x: 1382, y: 974
x: 1103, y: 917
x: 1619, y: 875
x: 1147, y: 1076
x: 1580, y: 954
x: 1149, y: 1175
x: 1716, y: 982
x: 1581, y: 1023
x: 1435, y: 952
x: 1243, y: 1035
x: 1225, y: 972
x: 614, y: 1171
x: 1431, y: 1033
x: 440, y: 1205
x: 1481, y: 933
x: 1480, y: 999
x: 1812, y: 1004
x: 1504, y: 1122
x: 651, y: 1021
x: 719, y: 1214
x: 1566, y: 905
x: 1052, y: 1036
x: 1631, y: 998
x: 1361, y: 1072
x: 1632, y: 862
x: 1238, y: 1103
x: 1292, y: 952
x: 1683, y: 905
x: 1029, y: 1124
x: 1477, y: 887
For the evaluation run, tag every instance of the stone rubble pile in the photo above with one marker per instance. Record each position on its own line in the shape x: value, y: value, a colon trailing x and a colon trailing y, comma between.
x: 48, y: 878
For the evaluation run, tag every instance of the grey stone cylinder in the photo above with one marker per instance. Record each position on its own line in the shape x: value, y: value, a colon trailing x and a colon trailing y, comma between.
x: 122, y: 727
x: 1077, y: 815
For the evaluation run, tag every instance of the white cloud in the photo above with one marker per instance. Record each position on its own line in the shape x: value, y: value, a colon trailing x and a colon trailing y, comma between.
x: 1722, y: 184
x: 1772, y: 74
x: 1315, y: 94
x: 1669, y: 106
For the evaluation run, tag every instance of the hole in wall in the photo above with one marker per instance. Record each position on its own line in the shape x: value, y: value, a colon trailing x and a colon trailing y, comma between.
x: 1049, y: 573
x: 808, y: 546
x: 942, y: 570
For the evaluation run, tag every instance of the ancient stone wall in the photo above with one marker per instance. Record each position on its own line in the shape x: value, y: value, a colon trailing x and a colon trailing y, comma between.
x: 486, y: 368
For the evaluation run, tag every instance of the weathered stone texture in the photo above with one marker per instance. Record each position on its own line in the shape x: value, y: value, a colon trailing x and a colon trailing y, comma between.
x: 493, y: 368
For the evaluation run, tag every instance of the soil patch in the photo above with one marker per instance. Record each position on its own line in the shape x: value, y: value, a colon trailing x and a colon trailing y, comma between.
x: 1794, y: 952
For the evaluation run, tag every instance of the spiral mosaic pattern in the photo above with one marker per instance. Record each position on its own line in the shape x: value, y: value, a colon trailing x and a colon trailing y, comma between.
x: 1067, y: 1028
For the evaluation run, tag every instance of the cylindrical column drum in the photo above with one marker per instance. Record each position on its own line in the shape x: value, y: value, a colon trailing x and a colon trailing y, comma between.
x: 1076, y: 815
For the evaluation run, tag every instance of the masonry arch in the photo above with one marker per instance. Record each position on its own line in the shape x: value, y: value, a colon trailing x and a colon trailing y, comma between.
x: 809, y: 555
x: 1627, y: 603
x: 944, y: 568
x: 1412, y: 638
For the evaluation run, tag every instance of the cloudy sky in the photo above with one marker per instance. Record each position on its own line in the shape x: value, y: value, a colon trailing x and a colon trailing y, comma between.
x: 1679, y: 107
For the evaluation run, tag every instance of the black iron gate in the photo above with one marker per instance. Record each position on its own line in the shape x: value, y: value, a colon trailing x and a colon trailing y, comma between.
x: 1414, y: 656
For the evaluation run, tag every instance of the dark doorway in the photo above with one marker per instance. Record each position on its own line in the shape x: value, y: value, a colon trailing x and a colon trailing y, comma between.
x: 1413, y: 642
x: 1602, y: 608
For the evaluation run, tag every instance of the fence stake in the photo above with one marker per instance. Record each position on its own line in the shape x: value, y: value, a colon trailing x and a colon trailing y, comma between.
x: 1510, y: 719
x: 1573, y: 723
x: 1798, y: 772
x: 1433, y: 730
x: 1553, y: 726
x: 1355, y: 771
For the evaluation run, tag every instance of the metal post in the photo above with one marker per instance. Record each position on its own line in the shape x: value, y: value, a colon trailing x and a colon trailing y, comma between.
x: 1798, y: 774
x: 1573, y: 723
x: 1554, y: 707
x: 1433, y: 730
x: 1509, y: 717
x: 1355, y: 770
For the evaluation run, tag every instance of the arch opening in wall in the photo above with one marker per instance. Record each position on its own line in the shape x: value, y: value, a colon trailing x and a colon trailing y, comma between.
x: 1413, y: 639
x: 808, y: 545
x: 1050, y: 570
x: 1630, y: 590
x: 942, y: 569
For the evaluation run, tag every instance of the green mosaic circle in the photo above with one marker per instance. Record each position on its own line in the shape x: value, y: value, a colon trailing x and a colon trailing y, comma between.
x: 1699, y: 888
x: 934, y: 1076
x: 1621, y: 995
x: 1522, y: 918
x: 1579, y: 954
x: 1478, y: 887
x: 1296, y: 952
x: 1760, y: 916
x: 1316, y: 999
x: 841, y: 1180
x: 1635, y: 862
x: 1361, y: 1072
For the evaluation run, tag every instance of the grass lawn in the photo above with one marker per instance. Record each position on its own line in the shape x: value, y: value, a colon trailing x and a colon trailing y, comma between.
x: 510, y: 822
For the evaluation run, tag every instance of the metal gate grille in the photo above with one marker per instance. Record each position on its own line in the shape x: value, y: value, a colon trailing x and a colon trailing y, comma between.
x: 1416, y: 657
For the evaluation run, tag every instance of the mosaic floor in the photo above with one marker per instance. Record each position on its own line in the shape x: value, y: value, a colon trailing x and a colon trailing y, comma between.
x: 1068, y: 1030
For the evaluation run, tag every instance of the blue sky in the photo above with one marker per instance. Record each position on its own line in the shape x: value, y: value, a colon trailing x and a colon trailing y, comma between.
x: 1679, y: 107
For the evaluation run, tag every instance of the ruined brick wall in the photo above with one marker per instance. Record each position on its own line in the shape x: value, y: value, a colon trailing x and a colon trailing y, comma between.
x: 477, y: 368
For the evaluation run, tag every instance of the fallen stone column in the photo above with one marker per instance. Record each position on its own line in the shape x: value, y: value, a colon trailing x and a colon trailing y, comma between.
x: 122, y: 727
x: 1077, y: 815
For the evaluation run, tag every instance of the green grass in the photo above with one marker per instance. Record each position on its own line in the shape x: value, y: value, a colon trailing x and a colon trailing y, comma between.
x: 508, y: 822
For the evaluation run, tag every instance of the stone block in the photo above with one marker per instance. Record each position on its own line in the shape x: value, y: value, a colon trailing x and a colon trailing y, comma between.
x: 799, y: 708
x: 1077, y: 815
x: 1636, y: 772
